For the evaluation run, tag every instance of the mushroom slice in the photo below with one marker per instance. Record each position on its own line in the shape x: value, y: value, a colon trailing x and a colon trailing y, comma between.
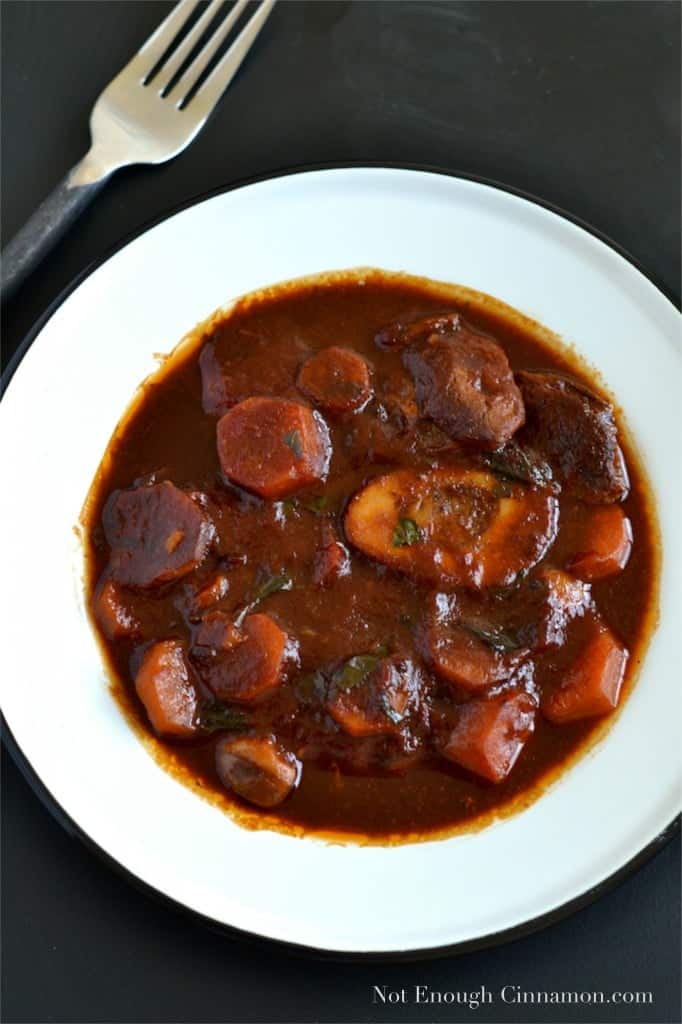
x: 453, y: 526
x: 257, y: 768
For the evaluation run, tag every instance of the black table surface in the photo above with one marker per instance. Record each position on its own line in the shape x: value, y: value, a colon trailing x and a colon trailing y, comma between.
x: 577, y: 103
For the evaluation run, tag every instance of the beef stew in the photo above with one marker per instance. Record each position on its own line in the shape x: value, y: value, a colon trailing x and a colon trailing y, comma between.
x: 371, y: 556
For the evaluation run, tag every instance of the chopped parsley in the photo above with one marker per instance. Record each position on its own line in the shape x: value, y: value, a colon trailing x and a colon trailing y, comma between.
x: 494, y: 636
x: 406, y: 533
x: 310, y: 687
x: 293, y: 440
x: 317, y: 503
x: 272, y: 585
x: 215, y: 717
x: 355, y: 671
x: 514, y: 463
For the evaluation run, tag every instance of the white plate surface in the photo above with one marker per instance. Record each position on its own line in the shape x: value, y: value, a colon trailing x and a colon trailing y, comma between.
x: 57, y: 416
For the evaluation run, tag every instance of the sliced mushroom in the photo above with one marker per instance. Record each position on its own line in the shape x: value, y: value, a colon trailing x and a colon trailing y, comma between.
x: 257, y: 768
x: 453, y: 525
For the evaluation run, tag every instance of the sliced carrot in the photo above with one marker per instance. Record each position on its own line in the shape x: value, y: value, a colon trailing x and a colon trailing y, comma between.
x: 460, y: 656
x: 212, y: 592
x: 490, y: 734
x: 604, y: 545
x: 112, y: 614
x: 593, y: 683
x: 252, y: 668
x: 336, y: 379
x: 157, y: 534
x: 372, y: 697
x: 272, y: 446
x: 164, y: 687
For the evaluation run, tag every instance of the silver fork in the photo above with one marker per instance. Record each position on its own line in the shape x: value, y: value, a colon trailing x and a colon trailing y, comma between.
x: 147, y: 114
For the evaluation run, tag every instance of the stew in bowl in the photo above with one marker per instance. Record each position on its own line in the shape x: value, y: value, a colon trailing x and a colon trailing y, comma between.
x: 371, y: 556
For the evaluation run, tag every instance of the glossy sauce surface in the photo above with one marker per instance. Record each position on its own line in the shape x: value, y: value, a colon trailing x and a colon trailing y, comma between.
x: 348, y: 785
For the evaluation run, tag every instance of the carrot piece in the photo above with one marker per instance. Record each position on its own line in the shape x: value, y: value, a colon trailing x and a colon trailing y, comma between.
x: 336, y: 379
x: 212, y: 592
x: 112, y: 614
x: 373, y: 697
x: 272, y: 446
x: 605, y: 543
x: 157, y: 534
x: 164, y: 687
x: 593, y: 683
x: 490, y: 734
x: 253, y: 667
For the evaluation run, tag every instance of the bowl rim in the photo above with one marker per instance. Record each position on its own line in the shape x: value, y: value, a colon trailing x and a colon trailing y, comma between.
x: 75, y: 831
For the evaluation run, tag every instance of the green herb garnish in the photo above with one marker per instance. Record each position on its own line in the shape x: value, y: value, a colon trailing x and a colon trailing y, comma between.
x: 293, y: 440
x: 514, y: 463
x: 270, y: 586
x: 217, y: 717
x: 406, y: 533
x: 355, y: 671
x: 310, y: 687
x: 317, y: 503
x: 497, y: 638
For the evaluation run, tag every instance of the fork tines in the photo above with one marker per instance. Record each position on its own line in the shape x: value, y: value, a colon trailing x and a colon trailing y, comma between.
x: 174, y: 65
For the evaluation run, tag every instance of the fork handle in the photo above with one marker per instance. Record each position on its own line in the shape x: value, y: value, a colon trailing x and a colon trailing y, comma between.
x: 50, y: 222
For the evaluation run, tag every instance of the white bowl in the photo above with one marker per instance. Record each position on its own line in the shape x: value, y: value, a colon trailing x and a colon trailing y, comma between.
x: 64, y: 400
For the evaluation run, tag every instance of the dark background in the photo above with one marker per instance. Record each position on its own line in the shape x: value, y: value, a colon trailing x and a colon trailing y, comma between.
x: 575, y: 102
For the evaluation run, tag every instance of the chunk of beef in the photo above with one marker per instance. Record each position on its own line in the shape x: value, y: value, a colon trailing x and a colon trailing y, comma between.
x: 464, y: 383
x: 157, y: 534
x: 415, y: 328
x: 337, y: 380
x: 257, y: 768
x: 273, y: 447
x: 163, y: 685
x: 575, y: 431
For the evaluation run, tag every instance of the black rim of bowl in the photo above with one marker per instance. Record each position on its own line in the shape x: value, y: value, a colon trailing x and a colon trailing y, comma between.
x: 230, y: 931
